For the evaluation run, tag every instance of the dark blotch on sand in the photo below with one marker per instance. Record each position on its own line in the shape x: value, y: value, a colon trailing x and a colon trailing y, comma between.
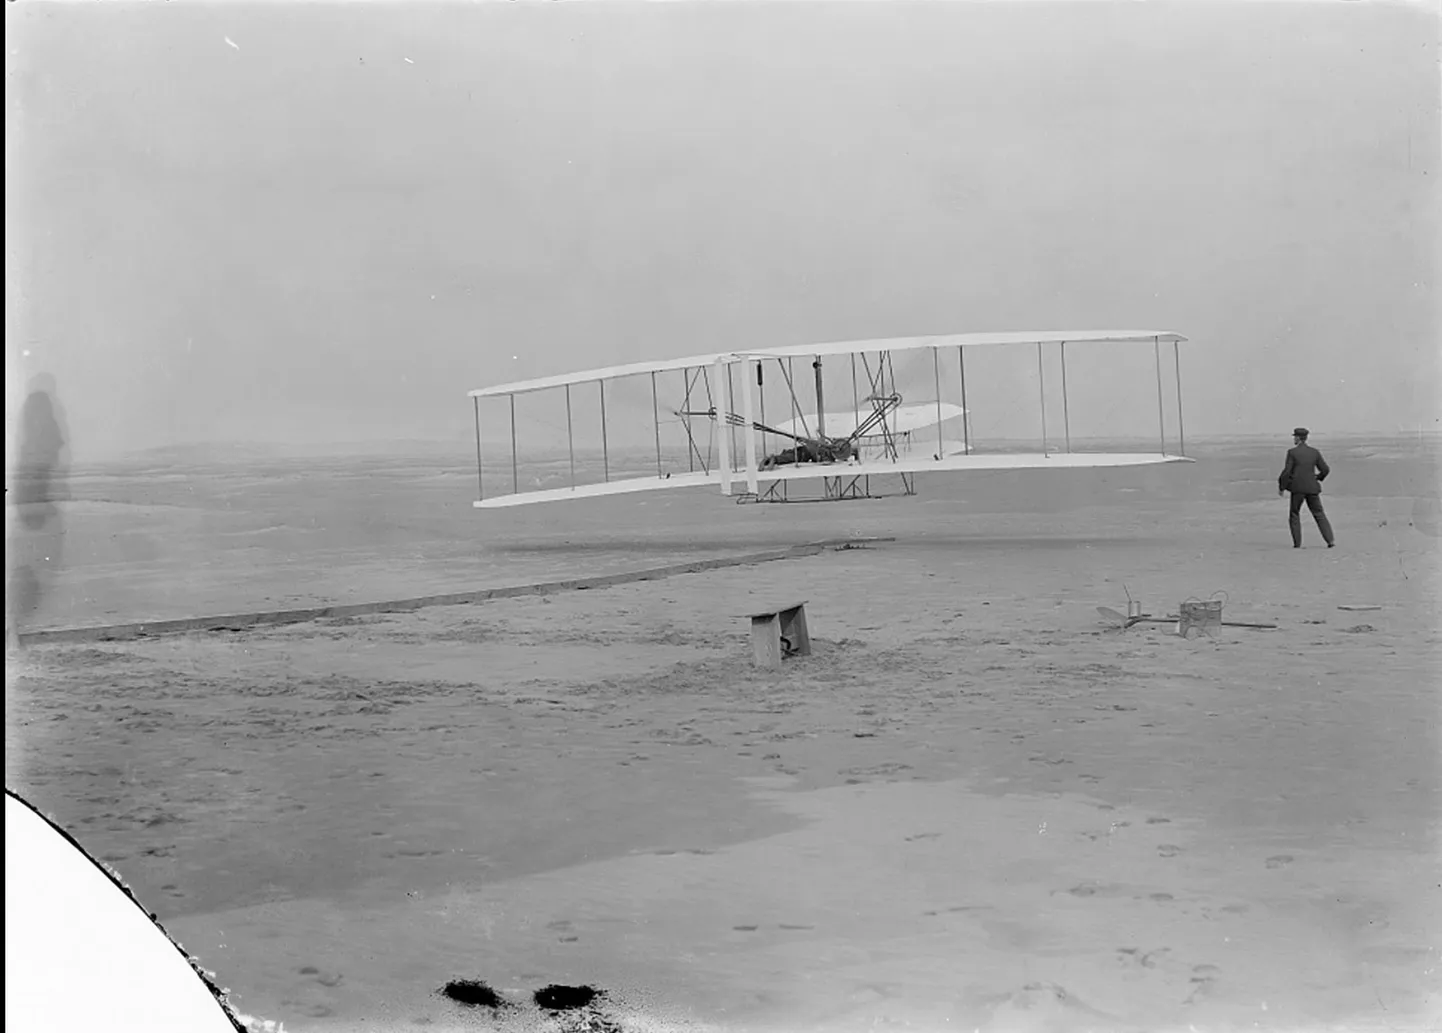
x: 564, y: 998
x: 472, y: 992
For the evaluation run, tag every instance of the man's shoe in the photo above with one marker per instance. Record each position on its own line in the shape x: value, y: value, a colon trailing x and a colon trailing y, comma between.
x: 1331, y: 545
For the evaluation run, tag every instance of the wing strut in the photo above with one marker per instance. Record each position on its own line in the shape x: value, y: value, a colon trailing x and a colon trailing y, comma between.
x: 731, y: 404
x: 1161, y: 418
x: 746, y: 409
x: 820, y: 400
x: 882, y: 406
x: 965, y: 412
x: 878, y: 393
x: 570, y: 437
x: 693, y: 452
x: 480, y: 483
x: 1065, y: 411
x: 1041, y: 378
x: 725, y: 464
x: 688, y: 412
x: 656, y: 421
x: 686, y: 420
x: 936, y: 367
x: 761, y: 395
x: 605, y: 450
x: 1181, y: 428
x: 855, y: 396
x: 796, y: 412
x: 515, y: 475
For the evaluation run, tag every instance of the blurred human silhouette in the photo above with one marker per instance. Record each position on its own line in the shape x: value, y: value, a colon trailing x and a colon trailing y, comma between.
x: 35, y: 527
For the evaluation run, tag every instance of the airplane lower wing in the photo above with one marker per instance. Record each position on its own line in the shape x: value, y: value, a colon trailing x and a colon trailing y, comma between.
x: 591, y: 491
x: 817, y: 471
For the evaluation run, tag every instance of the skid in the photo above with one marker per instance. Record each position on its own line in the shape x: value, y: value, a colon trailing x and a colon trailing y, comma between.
x: 834, y: 489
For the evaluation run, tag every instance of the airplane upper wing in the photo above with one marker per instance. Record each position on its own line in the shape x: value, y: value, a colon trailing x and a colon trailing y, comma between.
x: 833, y: 348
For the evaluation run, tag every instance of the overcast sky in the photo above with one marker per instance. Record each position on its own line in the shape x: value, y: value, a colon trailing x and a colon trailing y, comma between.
x: 239, y: 222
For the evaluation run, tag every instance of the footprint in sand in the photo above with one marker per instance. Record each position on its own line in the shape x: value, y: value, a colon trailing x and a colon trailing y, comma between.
x: 310, y: 1011
x: 922, y: 835
x: 957, y: 909
x: 1159, y: 821
x: 745, y: 928
x: 1204, y: 980
x: 879, y: 770
x: 323, y: 978
x: 1280, y: 860
x: 1168, y: 850
x: 1131, y: 956
x: 1038, y: 1006
x: 1091, y: 889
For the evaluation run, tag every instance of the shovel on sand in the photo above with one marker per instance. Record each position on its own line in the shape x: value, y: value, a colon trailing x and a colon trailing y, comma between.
x: 1122, y: 622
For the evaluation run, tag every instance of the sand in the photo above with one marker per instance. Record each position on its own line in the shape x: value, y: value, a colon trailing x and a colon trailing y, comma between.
x: 973, y: 807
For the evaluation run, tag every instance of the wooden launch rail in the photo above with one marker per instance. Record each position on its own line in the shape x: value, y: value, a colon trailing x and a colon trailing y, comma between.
x: 240, y: 621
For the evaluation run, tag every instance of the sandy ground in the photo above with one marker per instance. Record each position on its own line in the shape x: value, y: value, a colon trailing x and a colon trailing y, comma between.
x: 973, y: 807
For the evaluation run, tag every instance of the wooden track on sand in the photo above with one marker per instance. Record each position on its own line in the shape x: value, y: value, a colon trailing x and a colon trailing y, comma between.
x: 240, y: 621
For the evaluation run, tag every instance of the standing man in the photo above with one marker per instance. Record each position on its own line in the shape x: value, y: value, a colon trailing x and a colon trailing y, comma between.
x: 1303, y: 476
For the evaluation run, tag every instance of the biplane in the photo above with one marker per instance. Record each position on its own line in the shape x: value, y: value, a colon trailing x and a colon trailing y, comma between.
x: 881, y: 432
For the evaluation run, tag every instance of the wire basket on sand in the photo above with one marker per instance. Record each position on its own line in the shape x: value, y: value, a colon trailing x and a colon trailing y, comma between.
x: 1204, y: 615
